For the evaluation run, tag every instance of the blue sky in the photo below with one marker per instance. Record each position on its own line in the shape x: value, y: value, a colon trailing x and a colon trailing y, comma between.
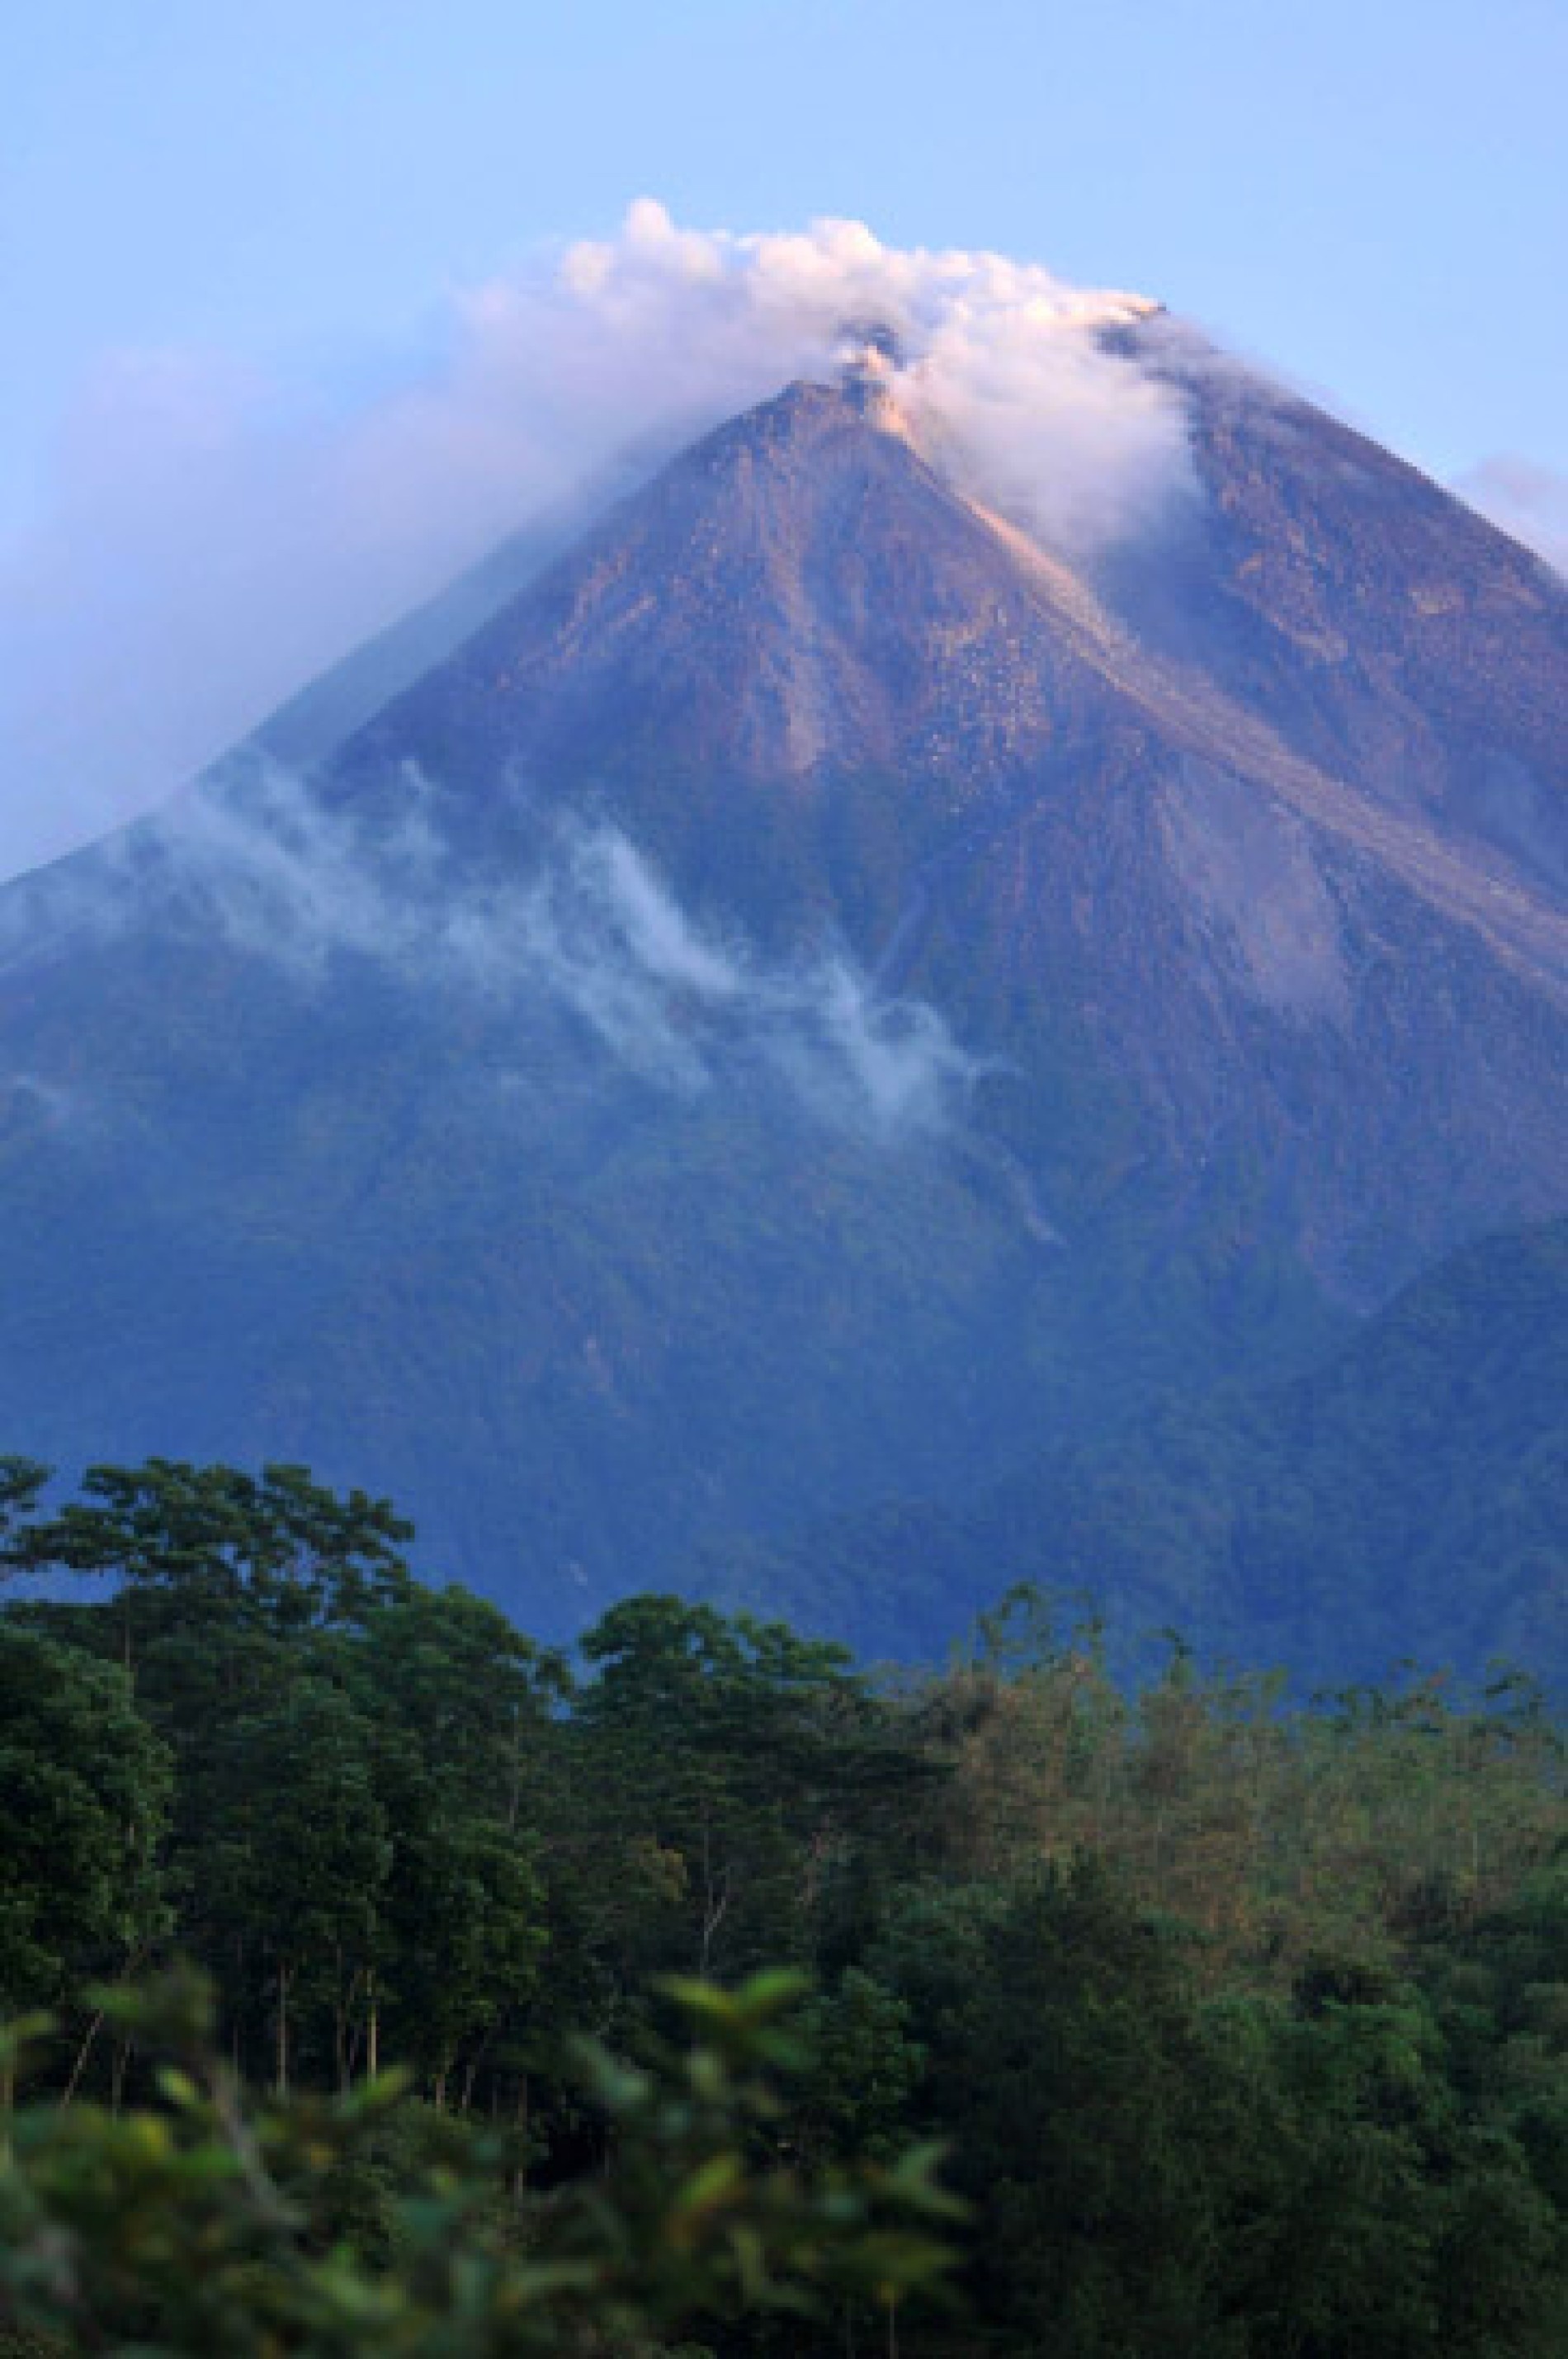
x: 1371, y: 197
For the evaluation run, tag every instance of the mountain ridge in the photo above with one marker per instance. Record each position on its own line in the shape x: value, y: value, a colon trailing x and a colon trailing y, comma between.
x: 1006, y: 698
x: 504, y: 1083
x: 1405, y: 1498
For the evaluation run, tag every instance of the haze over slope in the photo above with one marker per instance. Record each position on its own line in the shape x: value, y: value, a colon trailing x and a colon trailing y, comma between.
x: 1407, y: 1500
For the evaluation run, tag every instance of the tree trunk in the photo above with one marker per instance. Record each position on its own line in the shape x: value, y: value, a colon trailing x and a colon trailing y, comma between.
x: 117, y: 2074
x: 715, y: 1900
x: 280, y: 2079
x: 345, y: 2038
x: 520, y: 2175
x: 82, y: 2053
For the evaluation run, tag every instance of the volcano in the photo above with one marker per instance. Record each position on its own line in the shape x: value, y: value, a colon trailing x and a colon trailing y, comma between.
x: 814, y: 998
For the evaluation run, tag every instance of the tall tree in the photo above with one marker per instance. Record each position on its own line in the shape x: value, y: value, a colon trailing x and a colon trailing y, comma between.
x: 300, y: 1861
x: 86, y: 1787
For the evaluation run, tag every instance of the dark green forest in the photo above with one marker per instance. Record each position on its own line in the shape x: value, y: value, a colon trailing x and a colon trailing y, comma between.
x: 382, y: 1980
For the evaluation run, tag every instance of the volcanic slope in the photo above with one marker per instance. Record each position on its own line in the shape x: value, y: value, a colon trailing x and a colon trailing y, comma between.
x: 813, y: 996
x: 1407, y: 1500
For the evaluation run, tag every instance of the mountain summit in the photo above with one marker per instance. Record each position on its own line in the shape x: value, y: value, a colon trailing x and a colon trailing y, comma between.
x: 817, y: 994
x: 1262, y: 830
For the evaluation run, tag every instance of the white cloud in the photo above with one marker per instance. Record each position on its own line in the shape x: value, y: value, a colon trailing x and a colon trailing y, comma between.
x: 584, y: 926
x: 214, y: 537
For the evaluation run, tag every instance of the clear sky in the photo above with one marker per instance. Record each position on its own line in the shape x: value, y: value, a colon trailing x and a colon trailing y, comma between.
x: 1370, y: 194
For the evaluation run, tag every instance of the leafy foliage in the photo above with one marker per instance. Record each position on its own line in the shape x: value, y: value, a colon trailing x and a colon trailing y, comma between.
x: 195, y: 2225
x: 1243, y: 2023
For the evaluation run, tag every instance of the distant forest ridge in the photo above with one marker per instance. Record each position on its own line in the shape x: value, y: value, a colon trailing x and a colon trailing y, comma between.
x: 1407, y: 1499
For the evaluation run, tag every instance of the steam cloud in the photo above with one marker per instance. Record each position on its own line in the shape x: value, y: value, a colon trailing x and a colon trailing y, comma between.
x: 589, y: 930
x: 215, y: 537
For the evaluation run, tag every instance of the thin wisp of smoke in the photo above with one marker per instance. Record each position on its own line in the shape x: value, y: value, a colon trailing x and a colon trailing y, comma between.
x: 586, y: 928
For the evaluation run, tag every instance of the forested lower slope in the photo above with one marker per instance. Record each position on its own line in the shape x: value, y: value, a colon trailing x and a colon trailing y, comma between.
x: 1408, y: 1499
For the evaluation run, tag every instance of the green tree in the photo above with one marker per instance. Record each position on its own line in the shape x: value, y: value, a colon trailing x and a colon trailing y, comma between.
x: 86, y: 1787
x: 21, y: 1480
x: 300, y: 1858
x: 742, y: 1771
x: 1065, y: 2068
x: 186, y: 1544
x: 466, y: 1745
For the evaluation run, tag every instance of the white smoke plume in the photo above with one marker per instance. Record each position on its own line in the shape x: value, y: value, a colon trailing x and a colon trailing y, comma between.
x: 587, y: 927
x: 598, y: 928
x: 215, y: 537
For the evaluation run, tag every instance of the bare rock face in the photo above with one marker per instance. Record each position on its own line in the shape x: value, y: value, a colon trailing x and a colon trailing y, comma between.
x: 1263, y: 831
x: 812, y: 994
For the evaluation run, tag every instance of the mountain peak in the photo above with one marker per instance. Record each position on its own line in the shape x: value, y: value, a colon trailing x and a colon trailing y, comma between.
x: 808, y: 414
x: 803, y: 599
x: 1226, y: 881
x: 797, y: 591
